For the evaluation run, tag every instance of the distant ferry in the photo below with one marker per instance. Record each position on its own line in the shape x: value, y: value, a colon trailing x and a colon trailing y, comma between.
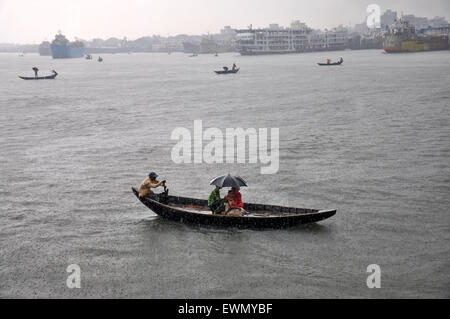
x: 61, y: 48
x: 403, y: 37
x: 299, y: 38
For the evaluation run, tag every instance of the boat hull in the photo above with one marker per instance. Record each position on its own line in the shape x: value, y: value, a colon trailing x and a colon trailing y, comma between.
x: 50, y: 77
x: 228, y: 72
x: 329, y: 64
x: 288, y: 217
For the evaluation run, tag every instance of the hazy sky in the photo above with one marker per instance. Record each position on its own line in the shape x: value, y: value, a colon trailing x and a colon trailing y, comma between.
x: 32, y: 21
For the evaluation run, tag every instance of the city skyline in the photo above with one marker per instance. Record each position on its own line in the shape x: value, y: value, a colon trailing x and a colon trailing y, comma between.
x: 136, y: 18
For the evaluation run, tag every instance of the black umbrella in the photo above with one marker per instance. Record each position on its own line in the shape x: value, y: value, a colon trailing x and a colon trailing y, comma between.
x: 228, y: 181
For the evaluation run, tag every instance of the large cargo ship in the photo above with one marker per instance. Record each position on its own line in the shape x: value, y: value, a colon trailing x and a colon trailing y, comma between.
x: 61, y: 48
x: 403, y: 37
x: 44, y: 49
x: 296, y: 39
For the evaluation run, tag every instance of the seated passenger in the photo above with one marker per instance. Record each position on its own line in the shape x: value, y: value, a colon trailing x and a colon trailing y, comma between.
x: 215, y: 203
x: 235, y: 206
x: 238, y: 197
x: 150, y: 182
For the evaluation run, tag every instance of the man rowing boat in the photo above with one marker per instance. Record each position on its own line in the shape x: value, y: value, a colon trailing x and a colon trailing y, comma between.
x: 36, y: 70
x: 148, y: 184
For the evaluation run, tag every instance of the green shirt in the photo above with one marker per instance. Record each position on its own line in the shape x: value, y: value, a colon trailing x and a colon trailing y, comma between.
x: 214, y: 197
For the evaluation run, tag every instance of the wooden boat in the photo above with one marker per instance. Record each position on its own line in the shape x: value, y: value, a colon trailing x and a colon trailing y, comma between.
x: 228, y: 72
x: 196, y: 211
x: 50, y: 77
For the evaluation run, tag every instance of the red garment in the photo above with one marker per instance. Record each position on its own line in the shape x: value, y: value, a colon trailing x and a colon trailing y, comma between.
x: 238, y: 199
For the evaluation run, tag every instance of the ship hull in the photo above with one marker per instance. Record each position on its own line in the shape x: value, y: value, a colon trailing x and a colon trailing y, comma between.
x: 392, y: 45
x: 66, y: 52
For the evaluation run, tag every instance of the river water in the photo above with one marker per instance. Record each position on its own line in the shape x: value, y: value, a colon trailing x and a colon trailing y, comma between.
x: 370, y: 138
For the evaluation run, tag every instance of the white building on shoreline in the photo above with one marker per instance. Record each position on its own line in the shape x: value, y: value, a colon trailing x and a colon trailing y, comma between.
x: 295, y: 39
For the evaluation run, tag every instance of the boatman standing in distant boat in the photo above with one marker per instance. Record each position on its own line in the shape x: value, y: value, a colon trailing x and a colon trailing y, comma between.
x: 150, y: 182
x: 36, y: 70
x: 234, y: 66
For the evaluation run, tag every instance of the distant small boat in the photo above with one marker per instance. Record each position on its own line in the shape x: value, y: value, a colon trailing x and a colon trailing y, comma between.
x: 100, y: 59
x: 50, y: 77
x: 88, y: 57
x: 228, y: 71
x: 193, y: 55
x: 331, y: 64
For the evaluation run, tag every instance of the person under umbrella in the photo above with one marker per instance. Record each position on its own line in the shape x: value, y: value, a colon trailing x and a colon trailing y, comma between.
x: 215, y: 203
x: 237, y: 197
x: 234, y: 204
